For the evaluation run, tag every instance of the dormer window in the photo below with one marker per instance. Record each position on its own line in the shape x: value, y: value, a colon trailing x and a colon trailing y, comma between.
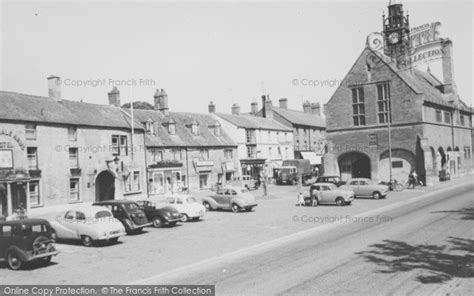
x: 194, y: 127
x: 170, y: 124
x: 216, y: 129
x: 149, y: 126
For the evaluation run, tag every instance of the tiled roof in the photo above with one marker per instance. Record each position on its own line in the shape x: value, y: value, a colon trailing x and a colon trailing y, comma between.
x: 253, y: 122
x: 300, y: 118
x: 183, y: 136
x: 425, y: 83
x: 29, y: 108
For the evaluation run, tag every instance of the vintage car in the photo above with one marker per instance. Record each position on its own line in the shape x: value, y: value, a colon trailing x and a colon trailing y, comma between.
x: 187, y: 205
x: 364, y: 187
x: 127, y: 212
x: 336, y: 180
x: 245, y: 181
x: 230, y: 198
x: 321, y: 193
x: 89, y: 224
x: 159, y: 216
x: 26, y: 240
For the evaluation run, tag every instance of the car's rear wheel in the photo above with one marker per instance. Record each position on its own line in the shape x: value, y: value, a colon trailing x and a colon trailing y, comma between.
x: 207, y: 205
x: 157, y: 222
x: 185, y: 218
x: 340, y: 201
x: 14, y: 261
x: 86, y: 240
x: 235, y: 208
x: 376, y: 195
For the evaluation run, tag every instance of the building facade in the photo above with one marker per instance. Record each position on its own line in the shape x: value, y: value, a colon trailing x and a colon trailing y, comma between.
x: 262, y: 143
x: 308, y: 127
x: 390, y: 115
x: 55, y: 152
x: 184, y: 151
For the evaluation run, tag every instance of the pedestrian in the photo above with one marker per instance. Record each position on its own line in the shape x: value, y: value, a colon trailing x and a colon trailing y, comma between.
x: 300, y: 199
x: 411, y: 180
x: 264, y: 186
x: 314, y: 197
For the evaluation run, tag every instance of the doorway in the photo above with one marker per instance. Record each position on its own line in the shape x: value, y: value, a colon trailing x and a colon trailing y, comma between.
x: 105, y: 186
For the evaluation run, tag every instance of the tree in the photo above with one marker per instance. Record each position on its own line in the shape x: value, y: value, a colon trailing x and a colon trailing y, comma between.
x: 138, y: 105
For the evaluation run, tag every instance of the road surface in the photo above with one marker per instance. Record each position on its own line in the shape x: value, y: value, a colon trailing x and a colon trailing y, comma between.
x: 425, y: 247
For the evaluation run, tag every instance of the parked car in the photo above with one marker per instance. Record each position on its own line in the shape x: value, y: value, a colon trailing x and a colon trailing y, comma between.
x: 26, y: 240
x: 364, y: 187
x: 127, y: 212
x: 230, y: 198
x: 187, y: 205
x: 336, y: 180
x: 159, y: 216
x: 88, y: 224
x: 245, y: 181
x: 329, y: 193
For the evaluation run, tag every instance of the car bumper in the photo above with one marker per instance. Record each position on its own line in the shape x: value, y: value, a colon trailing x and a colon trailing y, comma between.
x: 111, y: 236
x: 39, y: 256
x: 171, y: 220
x: 350, y: 198
x: 135, y: 226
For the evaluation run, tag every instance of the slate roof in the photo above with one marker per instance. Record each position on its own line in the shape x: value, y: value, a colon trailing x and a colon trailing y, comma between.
x: 300, y: 118
x: 37, y: 109
x: 425, y: 83
x: 254, y: 122
x: 183, y: 136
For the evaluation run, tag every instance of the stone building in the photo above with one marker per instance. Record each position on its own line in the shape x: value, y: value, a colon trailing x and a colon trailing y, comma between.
x: 308, y: 127
x: 390, y: 100
x: 262, y: 143
x: 184, y: 151
x: 55, y: 152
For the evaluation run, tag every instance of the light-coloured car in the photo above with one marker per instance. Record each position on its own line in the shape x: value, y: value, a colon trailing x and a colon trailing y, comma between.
x: 187, y: 205
x: 230, y: 198
x: 364, y: 187
x: 329, y: 193
x: 245, y: 181
x: 89, y: 224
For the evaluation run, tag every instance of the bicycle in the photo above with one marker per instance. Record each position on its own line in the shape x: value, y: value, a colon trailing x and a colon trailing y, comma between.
x: 394, y: 185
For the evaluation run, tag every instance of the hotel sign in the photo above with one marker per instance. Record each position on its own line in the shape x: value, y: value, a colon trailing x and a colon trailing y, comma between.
x: 14, y: 137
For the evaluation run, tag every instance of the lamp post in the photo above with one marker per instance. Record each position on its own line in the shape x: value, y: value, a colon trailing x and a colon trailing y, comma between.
x: 389, y: 121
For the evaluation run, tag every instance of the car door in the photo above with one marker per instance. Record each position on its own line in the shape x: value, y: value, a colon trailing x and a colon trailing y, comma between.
x: 81, y: 224
x: 69, y: 223
x: 231, y: 194
x: 354, y: 185
x: 219, y: 197
x: 364, y: 188
x: 5, y: 238
x: 325, y: 193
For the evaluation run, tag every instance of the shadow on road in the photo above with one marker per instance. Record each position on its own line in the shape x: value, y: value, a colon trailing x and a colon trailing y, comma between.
x: 441, y: 263
x: 465, y: 213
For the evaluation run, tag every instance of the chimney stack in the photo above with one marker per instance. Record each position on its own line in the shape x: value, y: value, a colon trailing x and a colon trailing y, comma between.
x: 156, y: 98
x: 162, y: 102
x: 307, y: 107
x: 235, y: 109
x: 283, y: 103
x: 114, y: 97
x: 211, y: 107
x: 54, y: 87
x: 268, y: 108
x: 448, y: 66
x: 254, y: 108
x: 316, y: 108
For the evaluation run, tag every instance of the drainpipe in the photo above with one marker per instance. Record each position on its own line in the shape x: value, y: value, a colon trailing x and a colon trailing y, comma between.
x: 187, y: 169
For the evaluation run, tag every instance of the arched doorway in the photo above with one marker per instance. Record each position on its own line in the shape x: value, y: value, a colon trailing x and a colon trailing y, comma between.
x: 105, y: 186
x: 443, y: 157
x: 403, y: 162
x: 354, y: 165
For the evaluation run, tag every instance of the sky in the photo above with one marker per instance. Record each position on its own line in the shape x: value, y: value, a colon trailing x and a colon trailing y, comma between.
x: 202, y: 51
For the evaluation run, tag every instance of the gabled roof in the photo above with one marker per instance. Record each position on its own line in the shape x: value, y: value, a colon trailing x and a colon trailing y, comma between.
x: 183, y: 136
x: 300, y: 118
x: 37, y: 109
x: 253, y: 122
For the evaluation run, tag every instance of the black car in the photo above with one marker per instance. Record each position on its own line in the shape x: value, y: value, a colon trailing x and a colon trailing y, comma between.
x: 331, y: 179
x: 160, y: 216
x: 128, y: 212
x: 26, y: 240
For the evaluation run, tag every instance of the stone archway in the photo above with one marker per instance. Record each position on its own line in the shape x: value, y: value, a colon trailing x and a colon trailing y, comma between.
x: 105, y: 186
x: 403, y: 161
x: 354, y: 165
x: 443, y: 157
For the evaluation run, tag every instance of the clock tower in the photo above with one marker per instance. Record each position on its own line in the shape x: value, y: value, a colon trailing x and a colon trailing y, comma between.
x: 396, y: 31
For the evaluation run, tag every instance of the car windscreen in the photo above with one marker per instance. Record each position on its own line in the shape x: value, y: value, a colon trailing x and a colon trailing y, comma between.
x: 191, y: 199
x: 332, y: 186
x: 34, y: 229
x: 131, y: 206
x: 103, y: 214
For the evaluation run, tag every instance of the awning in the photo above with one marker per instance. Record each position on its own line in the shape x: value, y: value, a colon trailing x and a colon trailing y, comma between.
x: 312, y: 157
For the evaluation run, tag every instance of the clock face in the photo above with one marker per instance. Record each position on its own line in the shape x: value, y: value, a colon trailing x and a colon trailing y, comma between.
x: 394, y: 38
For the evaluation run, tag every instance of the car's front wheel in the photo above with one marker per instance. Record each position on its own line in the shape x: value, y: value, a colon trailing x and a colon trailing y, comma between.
x: 157, y: 222
x: 207, y: 205
x: 340, y: 201
x: 14, y: 261
x: 86, y: 240
x: 376, y: 195
x: 185, y: 218
x: 235, y: 208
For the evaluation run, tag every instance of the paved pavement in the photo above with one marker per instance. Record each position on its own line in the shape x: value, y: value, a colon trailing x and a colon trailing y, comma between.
x: 158, y: 251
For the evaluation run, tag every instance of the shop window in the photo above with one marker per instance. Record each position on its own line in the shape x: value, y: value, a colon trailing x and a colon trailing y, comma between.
x: 32, y: 153
x: 72, y: 134
x: 33, y: 189
x: 383, y: 103
x: 204, y: 181
x: 30, y: 130
x: 358, y: 106
x: 132, y: 183
x: 74, y: 190
x: 157, y: 184
x: 73, y: 158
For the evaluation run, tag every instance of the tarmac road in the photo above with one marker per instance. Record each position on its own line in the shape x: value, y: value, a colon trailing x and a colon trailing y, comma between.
x: 422, y: 248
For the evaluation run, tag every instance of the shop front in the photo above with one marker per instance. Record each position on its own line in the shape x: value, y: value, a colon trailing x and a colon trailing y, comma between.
x: 228, y: 169
x: 253, y: 167
x: 204, y: 169
x: 14, y: 192
x: 166, y: 177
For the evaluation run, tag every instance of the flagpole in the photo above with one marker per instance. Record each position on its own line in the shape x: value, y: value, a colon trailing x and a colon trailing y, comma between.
x: 133, y: 122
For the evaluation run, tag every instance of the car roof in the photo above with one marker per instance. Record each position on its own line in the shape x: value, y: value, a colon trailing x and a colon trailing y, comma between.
x: 323, y: 183
x: 112, y: 202
x: 24, y: 221
x: 329, y: 177
x: 178, y: 195
x: 89, y: 209
x: 233, y: 187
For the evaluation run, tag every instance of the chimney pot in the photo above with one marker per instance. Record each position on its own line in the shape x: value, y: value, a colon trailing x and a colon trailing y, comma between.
x: 268, y: 109
x: 254, y: 108
x: 235, y: 109
x: 54, y: 87
x: 316, y: 108
x: 212, y: 107
x: 114, y: 97
x: 283, y: 103
x: 307, y: 107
